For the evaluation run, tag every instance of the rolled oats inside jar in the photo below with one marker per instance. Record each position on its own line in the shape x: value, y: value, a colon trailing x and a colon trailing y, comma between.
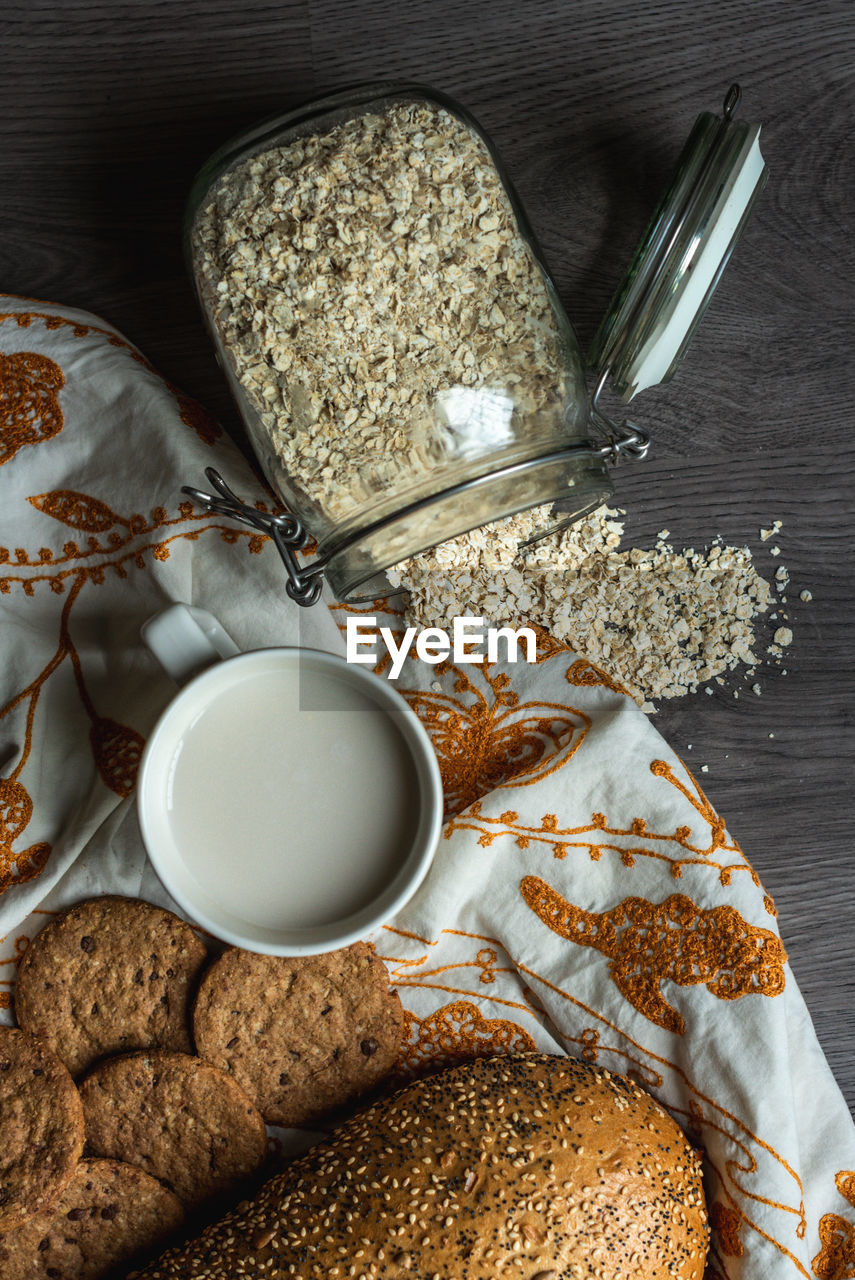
x: 388, y: 325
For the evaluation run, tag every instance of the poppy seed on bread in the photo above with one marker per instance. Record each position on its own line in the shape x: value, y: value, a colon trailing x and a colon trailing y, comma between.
x: 533, y: 1166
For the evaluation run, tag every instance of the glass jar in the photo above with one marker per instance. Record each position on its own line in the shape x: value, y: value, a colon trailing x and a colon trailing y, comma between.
x: 392, y: 337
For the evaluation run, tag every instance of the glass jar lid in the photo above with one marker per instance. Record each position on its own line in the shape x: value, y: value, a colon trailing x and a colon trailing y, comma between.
x: 682, y: 254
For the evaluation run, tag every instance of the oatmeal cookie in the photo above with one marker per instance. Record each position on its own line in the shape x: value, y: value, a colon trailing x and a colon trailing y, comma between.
x: 107, y: 976
x: 301, y: 1036
x: 108, y: 1213
x: 178, y: 1118
x: 41, y: 1128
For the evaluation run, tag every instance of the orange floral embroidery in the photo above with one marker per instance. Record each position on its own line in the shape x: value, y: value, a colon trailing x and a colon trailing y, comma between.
x: 482, y: 747
x: 91, y: 515
x: 484, y: 742
x: 116, y: 747
x: 117, y: 751
x: 194, y: 415
x: 726, y: 1221
x: 836, y: 1258
x: 29, y: 404
x: 590, y: 1041
x: 190, y: 411
x: 561, y: 839
x: 16, y: 809
x: 455, y: 1032
x: 30, y: 412
x: 584, y: 673
x: 76, y: 509
x: 674, y: 941
x: 696, y: 798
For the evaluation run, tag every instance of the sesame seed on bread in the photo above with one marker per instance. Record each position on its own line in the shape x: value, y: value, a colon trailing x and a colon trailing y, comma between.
x: 536, y: 1166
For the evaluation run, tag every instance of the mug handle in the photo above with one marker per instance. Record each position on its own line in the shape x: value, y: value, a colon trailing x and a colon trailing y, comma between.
x: 185, y: 640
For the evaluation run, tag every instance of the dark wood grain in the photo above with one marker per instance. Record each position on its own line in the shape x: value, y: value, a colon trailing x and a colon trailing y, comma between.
x: 107, y: 110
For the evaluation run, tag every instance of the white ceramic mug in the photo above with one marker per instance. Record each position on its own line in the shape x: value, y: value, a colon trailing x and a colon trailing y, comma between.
x: 289, y: 802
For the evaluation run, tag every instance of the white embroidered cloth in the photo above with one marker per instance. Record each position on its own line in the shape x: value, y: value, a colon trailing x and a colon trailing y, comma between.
x: 586, y: 897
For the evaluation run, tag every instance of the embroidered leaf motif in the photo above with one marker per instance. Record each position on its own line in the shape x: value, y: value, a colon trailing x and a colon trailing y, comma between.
x: 117, y: 750
x: 16, y: 809
x: 29, y: 406
x: 76, y: 509
x: 648, y: 943
x: 586, y: 675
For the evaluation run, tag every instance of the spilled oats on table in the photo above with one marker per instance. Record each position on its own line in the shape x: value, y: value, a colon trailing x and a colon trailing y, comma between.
x: 662, y: 621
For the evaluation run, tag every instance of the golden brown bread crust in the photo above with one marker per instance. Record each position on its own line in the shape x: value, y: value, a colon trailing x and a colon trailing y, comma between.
x: 530, y: 1166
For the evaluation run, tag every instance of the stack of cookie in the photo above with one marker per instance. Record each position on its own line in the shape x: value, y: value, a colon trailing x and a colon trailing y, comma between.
x: 112, y: 1126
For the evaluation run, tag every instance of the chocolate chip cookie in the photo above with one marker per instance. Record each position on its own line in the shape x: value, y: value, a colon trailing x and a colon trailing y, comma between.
x: 107, y: 976
x: 41, y: 1128
x: 108, y: 1213
x: 179, y: 1118
x: 301, y: 1036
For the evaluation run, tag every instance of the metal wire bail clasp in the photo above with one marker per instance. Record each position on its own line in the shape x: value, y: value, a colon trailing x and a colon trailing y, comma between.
x: 626, y: 440
x: 285, y: 530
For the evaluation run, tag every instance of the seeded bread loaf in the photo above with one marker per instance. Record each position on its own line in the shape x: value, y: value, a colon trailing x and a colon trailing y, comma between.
x: 532, y: 1167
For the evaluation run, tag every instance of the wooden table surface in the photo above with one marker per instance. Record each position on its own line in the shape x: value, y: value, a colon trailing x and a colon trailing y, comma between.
x: 108, y: 108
